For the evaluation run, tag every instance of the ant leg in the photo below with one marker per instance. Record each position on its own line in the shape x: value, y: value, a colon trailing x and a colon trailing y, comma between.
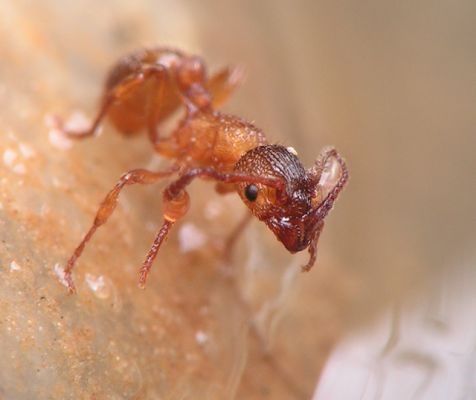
x: 176, y: 187
x: 235, y: 234
x: 118, y: 92
x: 107, y: 207
x: 147, y: 264
x: 313, y: 247
x: 90, y: 131
x: 176, y: 202
x: 174, y: 208
x: 222, y: 84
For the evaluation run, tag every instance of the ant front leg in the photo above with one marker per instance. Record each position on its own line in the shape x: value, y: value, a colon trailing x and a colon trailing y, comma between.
x: 107, y: 207
x: 176, y: 203
x: 235, y: 234
x: 117, y: 93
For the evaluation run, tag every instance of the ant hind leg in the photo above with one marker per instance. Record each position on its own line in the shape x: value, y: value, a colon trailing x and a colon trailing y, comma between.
x: 120, y: 91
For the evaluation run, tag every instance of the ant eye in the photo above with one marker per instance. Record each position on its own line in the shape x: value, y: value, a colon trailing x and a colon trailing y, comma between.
x: 251, y: 192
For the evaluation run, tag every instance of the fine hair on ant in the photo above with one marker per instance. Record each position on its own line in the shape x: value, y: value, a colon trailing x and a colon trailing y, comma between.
x: 143, y: 89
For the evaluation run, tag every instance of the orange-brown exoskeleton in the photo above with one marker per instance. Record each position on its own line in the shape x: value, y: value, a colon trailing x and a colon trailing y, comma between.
x: 146, y: 87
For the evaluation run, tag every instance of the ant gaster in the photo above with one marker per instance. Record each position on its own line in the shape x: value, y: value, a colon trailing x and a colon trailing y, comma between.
x: 144, y: 88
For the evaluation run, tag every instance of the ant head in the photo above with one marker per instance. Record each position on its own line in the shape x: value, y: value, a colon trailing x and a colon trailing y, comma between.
x: 286, y: 208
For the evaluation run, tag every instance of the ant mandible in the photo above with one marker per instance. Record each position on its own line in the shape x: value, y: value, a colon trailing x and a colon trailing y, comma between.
x: 144, y: 88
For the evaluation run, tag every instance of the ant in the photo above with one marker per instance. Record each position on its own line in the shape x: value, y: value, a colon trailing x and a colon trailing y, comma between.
x: 146, y: 87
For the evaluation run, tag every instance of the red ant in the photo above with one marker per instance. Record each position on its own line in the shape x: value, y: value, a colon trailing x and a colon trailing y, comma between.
x: 147, y: 86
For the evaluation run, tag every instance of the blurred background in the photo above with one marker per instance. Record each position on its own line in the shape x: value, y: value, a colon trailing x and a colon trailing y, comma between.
x: 391, y: 84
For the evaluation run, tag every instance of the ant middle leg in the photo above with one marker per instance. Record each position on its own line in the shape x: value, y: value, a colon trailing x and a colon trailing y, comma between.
x: 107, y: 207
x: 174, y: 208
